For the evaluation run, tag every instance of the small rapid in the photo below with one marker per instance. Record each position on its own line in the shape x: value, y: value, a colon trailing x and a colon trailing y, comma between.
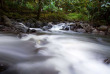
x: 55, y: 52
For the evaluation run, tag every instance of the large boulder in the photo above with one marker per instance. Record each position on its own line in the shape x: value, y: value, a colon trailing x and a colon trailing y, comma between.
x: 101, y: 33
x: 32, y: 25
x: 78, y: 23
x: 38, y: 24
x: 80, y: 30
x: 103, y: 28
x: 49, y: 26
x: 28, y: 24
x: 30, y: 20
x: 7, y: 21
x: 95, y: 31
x: 88, y: 28
x: 21, y: 27
x: 72, y: 26
x: 84, y: 25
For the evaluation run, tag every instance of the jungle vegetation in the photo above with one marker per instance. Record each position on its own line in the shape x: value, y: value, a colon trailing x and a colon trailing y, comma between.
x: 97, y: 11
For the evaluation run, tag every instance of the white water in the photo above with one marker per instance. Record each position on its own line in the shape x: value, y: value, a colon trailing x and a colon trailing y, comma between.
x: 60, y: 26
x: 71, y: 56
x: 59, y: 54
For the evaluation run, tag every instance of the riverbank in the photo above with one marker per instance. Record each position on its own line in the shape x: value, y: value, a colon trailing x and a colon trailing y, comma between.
x: 21, y: 26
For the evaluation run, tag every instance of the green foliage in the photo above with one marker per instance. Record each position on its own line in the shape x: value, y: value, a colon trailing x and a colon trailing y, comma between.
x: 50, y: 7
x: 29, y: 5
x: 99, y: 10
x: 77, y: 16
x: 91, y: 10
x: 60, y: 16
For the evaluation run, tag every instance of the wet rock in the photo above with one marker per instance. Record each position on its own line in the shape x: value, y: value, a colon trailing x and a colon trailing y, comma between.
x: 14, y: 26
x: 66, y: 27
x: 103, y: 28
x: 50, y: 23
x: 38, y: 24
x: 32, y: 25
x: 80, y: 30
x: 109, y: 31
x: 7, y: 29
x: 21, y: 27
x: 73, y: 24
x: 3, y: 66
x: 30, y: 20
x: 72, y: 27
x: 45, y: 28
x: 84, y: 25
x: 28, y: 24
x: 33, y: 31
x: 49, y: 26
x: 7, y: 21
x: 78, y: 26
x: 14, y: 22
x: 102, y: 33
x: 95, y: 31
x: 107, y: 61
x: 78, y: 23
x: 88, y: 29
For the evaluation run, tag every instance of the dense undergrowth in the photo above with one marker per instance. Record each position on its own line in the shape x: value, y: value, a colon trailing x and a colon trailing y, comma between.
x: 96, y: 11
x: 58, y: 16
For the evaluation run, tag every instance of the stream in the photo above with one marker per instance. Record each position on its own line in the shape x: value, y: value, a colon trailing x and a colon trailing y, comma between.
x: 55, y: 52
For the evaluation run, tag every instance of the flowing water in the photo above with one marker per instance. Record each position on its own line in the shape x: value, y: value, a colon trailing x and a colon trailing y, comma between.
x: 55, y: 52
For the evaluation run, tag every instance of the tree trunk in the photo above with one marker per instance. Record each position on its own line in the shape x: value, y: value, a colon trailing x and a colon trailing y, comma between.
x: 39, y: 9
